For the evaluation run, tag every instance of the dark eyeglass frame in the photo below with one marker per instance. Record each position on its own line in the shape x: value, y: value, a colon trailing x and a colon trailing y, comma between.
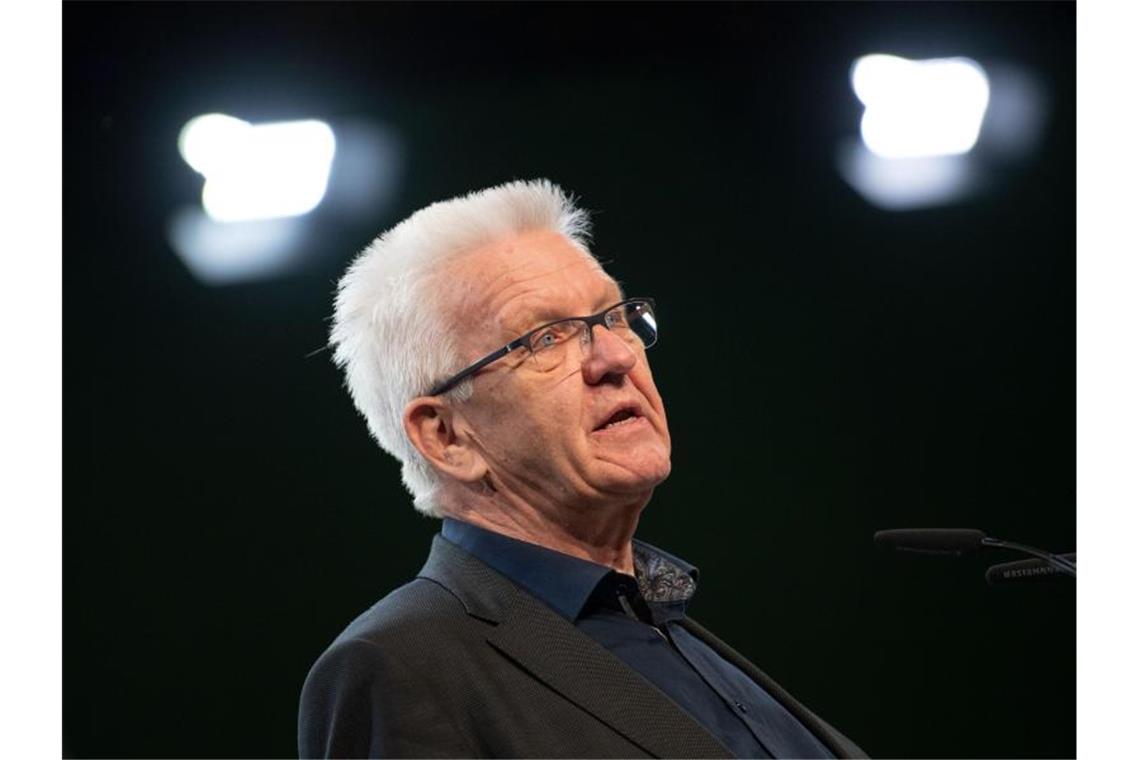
x: 523, y: 341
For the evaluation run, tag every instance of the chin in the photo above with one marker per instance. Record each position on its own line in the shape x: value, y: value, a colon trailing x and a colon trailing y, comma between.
x: 638, y: 477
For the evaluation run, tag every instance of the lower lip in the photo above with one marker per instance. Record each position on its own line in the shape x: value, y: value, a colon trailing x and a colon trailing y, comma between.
x: 631, y: 425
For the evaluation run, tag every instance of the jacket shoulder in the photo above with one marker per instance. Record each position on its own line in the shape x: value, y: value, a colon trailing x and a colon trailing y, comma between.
x: 356, y: 696
x: 418, y: 607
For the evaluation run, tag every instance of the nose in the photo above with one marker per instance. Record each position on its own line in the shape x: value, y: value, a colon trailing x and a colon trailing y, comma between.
x: 606, y: 355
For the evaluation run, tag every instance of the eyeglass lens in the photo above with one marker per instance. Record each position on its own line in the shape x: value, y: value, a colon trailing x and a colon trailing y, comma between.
x: 632, y: 322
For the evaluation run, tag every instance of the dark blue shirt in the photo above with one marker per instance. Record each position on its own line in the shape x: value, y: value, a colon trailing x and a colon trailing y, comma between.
x: 638, y: 620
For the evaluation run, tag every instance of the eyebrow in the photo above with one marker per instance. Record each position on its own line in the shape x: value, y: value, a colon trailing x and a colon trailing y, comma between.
x: 547, y: 314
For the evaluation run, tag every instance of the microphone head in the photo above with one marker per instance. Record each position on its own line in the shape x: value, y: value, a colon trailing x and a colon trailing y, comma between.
x: 955, y: 541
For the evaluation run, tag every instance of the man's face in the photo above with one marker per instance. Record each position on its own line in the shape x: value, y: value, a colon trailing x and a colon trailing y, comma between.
x: 544, y: 434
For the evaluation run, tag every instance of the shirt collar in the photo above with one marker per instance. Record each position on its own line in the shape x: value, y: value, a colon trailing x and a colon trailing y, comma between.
x: 565, y: 583
x: 667, y: 583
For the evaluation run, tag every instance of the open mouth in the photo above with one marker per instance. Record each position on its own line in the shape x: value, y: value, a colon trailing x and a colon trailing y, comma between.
x: 623, y: 416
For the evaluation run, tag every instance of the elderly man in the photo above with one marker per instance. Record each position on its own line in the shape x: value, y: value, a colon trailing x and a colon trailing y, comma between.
x: 493, y: 356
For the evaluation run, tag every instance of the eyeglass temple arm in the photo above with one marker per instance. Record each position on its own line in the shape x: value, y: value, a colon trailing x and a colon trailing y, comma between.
x: 447, y: 385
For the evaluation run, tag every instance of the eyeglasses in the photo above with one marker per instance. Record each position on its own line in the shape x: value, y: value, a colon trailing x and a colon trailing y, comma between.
x: 632, y: 320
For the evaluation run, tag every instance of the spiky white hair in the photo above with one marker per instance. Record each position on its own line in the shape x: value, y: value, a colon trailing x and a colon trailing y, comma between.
x: 391, y: 333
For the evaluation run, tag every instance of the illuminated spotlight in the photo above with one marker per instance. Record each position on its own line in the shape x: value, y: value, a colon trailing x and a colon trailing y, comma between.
x: 920, y: 108
x: 258, y: 171
x: 359, y: 179
x: 938, y: 131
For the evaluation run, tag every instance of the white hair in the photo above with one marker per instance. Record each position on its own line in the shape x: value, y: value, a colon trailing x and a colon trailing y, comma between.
x: 391, y: 333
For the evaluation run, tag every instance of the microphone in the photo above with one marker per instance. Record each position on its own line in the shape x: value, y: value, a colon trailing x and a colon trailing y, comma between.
x: 1025, y: 571
x: 961, y: 541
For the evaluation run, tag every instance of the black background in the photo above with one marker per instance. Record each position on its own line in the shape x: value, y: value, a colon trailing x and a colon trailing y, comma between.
x: 829, y: 369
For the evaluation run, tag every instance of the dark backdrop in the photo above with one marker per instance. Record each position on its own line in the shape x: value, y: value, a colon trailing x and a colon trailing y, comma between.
x: 830, y: 369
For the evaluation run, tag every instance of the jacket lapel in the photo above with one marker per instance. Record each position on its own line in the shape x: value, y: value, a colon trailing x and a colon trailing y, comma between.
x: 555, y: 652
x: 837, y: 743
x: 572, y: 664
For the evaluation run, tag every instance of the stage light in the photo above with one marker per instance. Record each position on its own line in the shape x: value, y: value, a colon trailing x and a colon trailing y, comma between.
x: 918, y: 109
x: 258, y: 171
x: 260, y: 180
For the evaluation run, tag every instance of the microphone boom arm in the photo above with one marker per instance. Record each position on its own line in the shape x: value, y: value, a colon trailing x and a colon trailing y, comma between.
x: 1060, y: 563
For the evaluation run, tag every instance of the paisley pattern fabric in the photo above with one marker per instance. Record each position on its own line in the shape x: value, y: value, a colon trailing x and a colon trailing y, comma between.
x: 660, y: 580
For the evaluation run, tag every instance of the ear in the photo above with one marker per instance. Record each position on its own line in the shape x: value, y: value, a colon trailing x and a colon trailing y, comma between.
x: 430, y: 424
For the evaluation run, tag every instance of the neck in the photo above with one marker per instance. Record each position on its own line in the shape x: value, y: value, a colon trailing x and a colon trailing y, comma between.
x: 599, y: 534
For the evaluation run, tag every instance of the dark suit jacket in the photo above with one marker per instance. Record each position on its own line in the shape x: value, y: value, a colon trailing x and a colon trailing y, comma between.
x: 462, y: 663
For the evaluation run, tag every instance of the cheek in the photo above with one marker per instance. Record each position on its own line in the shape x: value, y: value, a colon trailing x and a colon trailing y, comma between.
x: 644, y: 381
x: 538, y: 429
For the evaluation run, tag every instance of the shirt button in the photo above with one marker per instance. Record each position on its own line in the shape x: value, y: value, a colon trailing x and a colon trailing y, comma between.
x: 740, y: 707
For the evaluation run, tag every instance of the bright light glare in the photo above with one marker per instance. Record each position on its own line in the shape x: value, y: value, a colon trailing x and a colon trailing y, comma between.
x: 224, y: 254
x: 920, y: 108
x: 258, y: 171
x: 903, y: 184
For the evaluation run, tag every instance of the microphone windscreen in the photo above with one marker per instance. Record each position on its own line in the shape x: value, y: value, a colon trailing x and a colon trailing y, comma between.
x: 931, y: 540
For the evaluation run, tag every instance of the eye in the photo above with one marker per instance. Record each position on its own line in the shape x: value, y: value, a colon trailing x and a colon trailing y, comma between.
x: 618, y: 320
x: 550, y: 337
x: 554, y: 335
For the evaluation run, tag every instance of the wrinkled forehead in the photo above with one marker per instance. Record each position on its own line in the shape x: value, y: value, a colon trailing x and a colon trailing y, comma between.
x: 512, y: 285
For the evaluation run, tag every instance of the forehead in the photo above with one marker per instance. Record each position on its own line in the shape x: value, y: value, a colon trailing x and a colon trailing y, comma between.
x: 518, y: 282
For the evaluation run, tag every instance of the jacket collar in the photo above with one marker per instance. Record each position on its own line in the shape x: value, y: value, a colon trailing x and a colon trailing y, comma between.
x: 563, y: 582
